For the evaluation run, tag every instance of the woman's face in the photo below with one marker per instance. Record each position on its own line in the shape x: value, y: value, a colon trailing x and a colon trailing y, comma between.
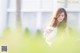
x: 61, y: 17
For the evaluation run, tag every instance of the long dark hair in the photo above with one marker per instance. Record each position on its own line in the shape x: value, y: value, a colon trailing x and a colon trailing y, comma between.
x: 62, y: 24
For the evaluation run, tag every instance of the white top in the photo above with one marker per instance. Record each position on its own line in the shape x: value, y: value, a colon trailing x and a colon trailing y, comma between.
x: 49, y: 35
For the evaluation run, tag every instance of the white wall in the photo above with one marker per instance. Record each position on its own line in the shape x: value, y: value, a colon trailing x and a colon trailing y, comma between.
x: 37, y: 13
x: 2, y: 16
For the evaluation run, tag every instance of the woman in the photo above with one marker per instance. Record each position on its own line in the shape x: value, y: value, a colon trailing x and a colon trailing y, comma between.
x: 57, y: 26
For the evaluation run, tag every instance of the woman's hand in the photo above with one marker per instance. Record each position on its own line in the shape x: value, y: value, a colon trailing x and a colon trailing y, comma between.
x: 47, y: 32
x: 49, y: 35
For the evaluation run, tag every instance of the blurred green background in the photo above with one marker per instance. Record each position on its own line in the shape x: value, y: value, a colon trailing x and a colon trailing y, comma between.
x: 26, y: 42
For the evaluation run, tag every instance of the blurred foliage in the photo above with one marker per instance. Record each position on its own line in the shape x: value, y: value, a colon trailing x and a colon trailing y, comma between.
x: 22, y: 42
x: 26, y: 31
